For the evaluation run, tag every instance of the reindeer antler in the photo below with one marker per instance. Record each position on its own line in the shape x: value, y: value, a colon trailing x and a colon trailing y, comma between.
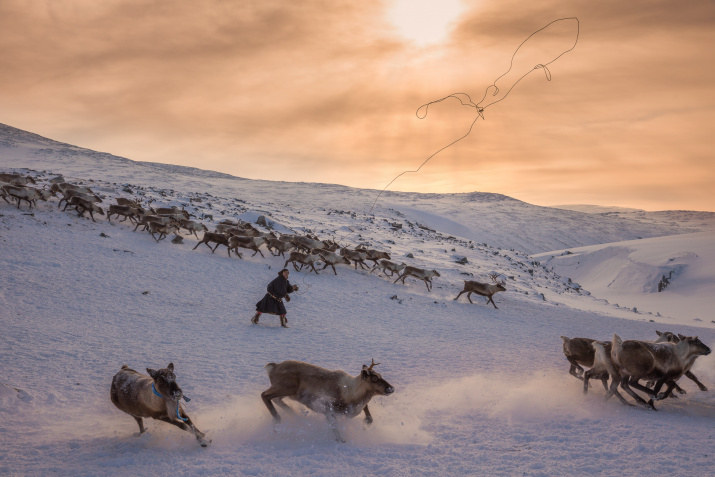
x: 494, y: 276
x: 373, y: 364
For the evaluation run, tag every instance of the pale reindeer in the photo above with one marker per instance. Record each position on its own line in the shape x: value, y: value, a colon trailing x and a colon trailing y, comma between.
x: 192, y: 226
x: 155, y: 396
x: 330, y: 258
x: 584, y: 352
x: 250, y: 243
x: 425, y: 275
x: 664, y: 363
x: 331, y: 393
x: 127, y: 211
x: 668, y: 336
x: 278, y: 246
x: 386, y: 265
x: 28, y: 194
x: 484, y: 289
x: 14, y: 178
x: 303, y: 259
x: 162, y: 230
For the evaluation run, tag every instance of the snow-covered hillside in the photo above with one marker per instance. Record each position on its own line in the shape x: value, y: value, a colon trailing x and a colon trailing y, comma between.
x: 479, y: 390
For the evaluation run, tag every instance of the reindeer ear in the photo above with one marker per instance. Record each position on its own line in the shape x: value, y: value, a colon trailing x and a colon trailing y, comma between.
x: 364, y: 373
x: 170, y: 367
x: 682, y: 337
x: 659, y: 333
x: 151, y: 372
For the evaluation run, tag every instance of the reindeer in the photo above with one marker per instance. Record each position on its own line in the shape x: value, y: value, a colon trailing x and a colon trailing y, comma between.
x: 146, y: 219
x: 374, y: 255
x: 280, y: 245
x: 63, y: 186
x: 218, y: 239
x: 127, y: 211
x: 69, y: 193
x: 175, y: 212
x: 162, y: 230
x: 303, y: 259
x: 16, y: 179
x: 484, y: 289
x: 28, y: 194
x: 82, y: 205
x: 251, y: 243
x: 193, y: 227
x: 130, y: 202
x: 670, y: 337
x: 665, y: 363
x: 386, y: 265
x: 425, y: 275
x: 330, y: 258
x: 357, y: 256
x: 307, y: 244
x: 156, y: 396
x: 331, y: 393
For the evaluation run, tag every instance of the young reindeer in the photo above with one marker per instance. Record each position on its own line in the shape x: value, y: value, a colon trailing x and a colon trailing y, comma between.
x: 156, y: 396
x: 668, y: 336
x: 331, y: 393
x: 484, y: 289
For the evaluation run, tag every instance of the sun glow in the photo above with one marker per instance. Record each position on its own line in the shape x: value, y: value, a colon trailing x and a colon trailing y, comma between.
x: 424, y: 22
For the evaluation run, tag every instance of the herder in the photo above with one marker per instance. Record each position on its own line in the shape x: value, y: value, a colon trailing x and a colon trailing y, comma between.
x: 272, y: 303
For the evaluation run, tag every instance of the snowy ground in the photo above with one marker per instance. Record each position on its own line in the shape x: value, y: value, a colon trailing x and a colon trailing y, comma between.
x: 479, y: 391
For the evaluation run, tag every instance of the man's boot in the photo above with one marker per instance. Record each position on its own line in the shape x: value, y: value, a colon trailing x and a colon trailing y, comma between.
x: 284, y: 321
x: 254, y: 320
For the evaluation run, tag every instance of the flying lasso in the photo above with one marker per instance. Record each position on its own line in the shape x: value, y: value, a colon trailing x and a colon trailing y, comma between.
x: 466, y: 100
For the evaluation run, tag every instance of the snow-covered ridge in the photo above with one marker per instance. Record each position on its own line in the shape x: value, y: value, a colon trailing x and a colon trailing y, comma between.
x: 479, y: 390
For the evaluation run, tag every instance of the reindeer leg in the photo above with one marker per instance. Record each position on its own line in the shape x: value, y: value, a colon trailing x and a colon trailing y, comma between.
x: 626, y: 383
x: 368, y: 416
x: 491, y: 300
x: 140, y: 421
x: 333, y: 422
x: 576, y: 370
x: 334, y: 271
x: 695, y: 380
x: 268, y: 395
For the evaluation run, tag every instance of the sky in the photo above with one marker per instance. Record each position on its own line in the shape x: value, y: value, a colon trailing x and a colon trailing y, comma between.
x: 324, y: 91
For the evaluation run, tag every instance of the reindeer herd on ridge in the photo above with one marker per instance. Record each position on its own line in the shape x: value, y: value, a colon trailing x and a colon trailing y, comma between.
x: 304, y: 251
x: 335, y: 393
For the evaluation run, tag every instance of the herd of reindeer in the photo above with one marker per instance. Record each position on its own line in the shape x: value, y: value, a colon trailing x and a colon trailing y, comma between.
x: 336, y: 393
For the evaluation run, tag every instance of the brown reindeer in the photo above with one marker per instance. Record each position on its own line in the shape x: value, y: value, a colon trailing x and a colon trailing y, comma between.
x: 156, y: 396
x: 664, y: 363
x: 218, y: 239
x: 28, y: 194
x: 82, y: 205
x: 357, y: 256
x: 331, y: 393
x: 484, y: 289
x: 425, y: 275
x: 14, y: 178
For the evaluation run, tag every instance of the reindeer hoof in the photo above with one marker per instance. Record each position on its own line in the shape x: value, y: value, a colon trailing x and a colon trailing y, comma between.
x: 703, y: 388
x: 681, y: 391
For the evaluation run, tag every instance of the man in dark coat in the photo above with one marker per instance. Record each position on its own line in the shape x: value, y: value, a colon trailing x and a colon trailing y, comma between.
x: 272, y: 303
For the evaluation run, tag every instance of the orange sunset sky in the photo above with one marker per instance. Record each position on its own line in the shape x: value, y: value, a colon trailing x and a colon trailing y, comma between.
x: 326, y: 91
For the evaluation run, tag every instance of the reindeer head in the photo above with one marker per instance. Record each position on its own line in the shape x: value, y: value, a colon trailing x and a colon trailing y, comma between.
x: 165, y: 382
x: 499, y: 283
x: 667, y: 337
x: 375, y: 381
x: 697, y: 347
